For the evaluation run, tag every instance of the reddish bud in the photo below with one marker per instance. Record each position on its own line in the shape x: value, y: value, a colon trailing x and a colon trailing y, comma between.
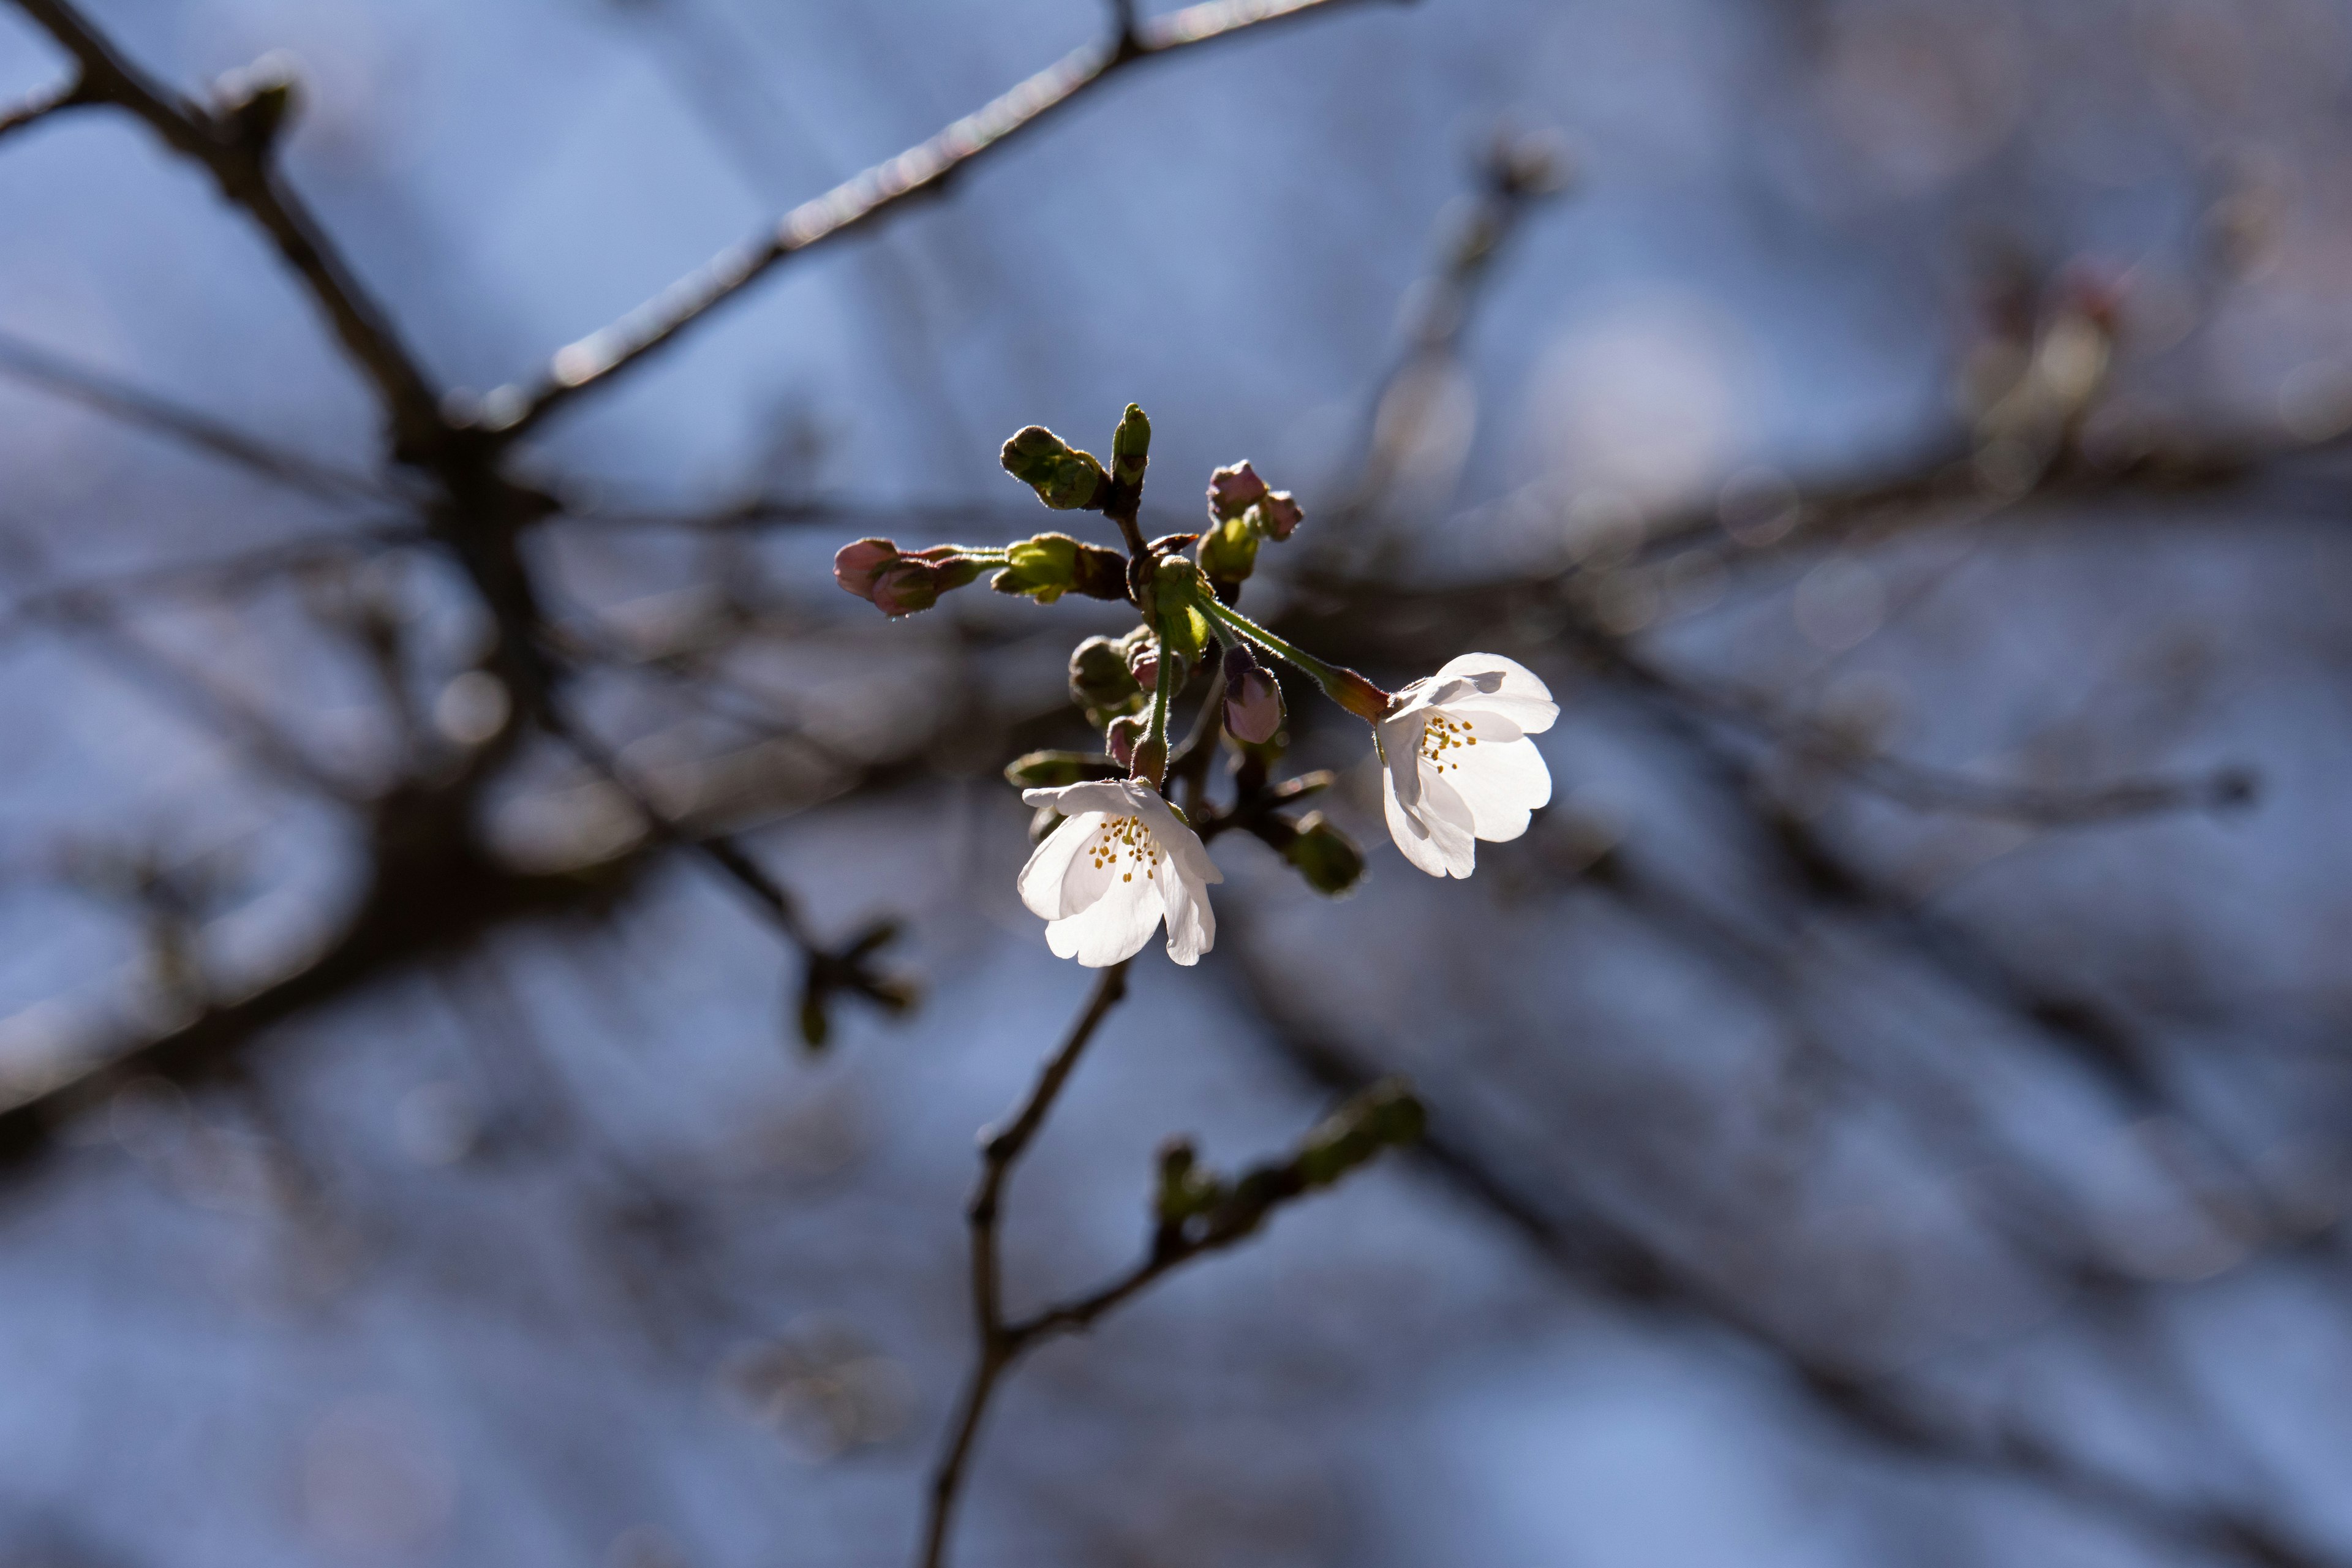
x: 1280, y: 514
x: 1253, y: 706
x: 1233, y: 492
x: 1120, y: 738
x: 856, y: 564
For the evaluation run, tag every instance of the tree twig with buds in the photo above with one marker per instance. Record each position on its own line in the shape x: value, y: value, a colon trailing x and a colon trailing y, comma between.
x: 1195, y: 1213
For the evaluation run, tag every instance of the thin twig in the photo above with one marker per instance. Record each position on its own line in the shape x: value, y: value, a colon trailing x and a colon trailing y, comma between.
x: 39, y: 105
x: 52, y: 372
x: 241, y: 166
x: 920, y: 171
x: 1932, y: 789
x: 1001, y: 1150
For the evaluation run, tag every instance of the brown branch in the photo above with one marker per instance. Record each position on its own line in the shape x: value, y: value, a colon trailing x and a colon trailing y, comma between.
x: 39, y: 105
x: 240, y: 163
x: 920, y: 171
x: 1196, y: 1214
x: 51, y: 371
x: 1921, y: 787
x: 1001, y: 1150
x: 1595, y: 1251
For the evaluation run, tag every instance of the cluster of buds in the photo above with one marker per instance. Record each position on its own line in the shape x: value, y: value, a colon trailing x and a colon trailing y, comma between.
x: 1115, y: 856
x: 1241, y: 514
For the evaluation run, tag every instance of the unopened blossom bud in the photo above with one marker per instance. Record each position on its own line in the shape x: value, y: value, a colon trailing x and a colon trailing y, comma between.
x: 899, y: 583
x: 1228, y: 551
x: 1130, y: 446
x: 856, y: 564
x: 1233, y: 492
x: 1278, y: 515
x: 1064, y: 478
x: 1327, y: 858
x: 1253, y: 698
x: 1052, y: 564
x: 1120, y: 738
x: 1386, y: 1116
x: 1143, y: 661
x: 1099, y: 679
x: 915, y: 583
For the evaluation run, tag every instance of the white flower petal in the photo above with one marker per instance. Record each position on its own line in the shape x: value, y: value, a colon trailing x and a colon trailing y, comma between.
x: 1191, y: 924
x: 1436, y: 833
x: 1042, y: 878
x: 1501, y: 784
x: 1488, y: 683
x: 1111, y: 929
x: 1118, y: 797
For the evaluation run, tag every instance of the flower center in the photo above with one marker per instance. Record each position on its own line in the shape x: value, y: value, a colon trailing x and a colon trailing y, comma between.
x: 1125, y: 840
x: 1442, y: 734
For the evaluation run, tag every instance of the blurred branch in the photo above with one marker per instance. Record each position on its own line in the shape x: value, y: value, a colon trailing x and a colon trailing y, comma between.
x: 922, y: 170
x: 1925, y: 788
x: 38, y: 105
x: 1597, y: 1252
x: 42, y: 367
x: 241, y: 163
x: 223, y: 572
x: 1196, y: 1213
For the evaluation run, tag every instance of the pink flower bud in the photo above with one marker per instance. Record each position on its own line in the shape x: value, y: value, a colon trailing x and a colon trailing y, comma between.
x: 1233, y: 492
x: 907, y: 585
x: 856, y: 564
x: 1281, y: 514
x: 1253, y: 705
x: 1120, y: 738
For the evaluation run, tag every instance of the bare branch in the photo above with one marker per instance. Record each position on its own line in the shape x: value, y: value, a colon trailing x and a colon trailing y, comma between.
x: 240, y: 163
x: 44, y: 368
x: 922, y: 170
x: 48, y: 100
x: 1933, y: 789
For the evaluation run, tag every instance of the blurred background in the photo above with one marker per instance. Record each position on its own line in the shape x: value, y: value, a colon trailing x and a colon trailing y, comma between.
x: 1891, y: 1107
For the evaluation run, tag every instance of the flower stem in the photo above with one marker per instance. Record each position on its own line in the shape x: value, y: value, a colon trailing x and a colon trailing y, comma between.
x: 1341, y: 685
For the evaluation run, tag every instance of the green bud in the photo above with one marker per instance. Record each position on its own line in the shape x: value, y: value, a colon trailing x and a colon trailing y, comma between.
x: 1064, y: 477
x: 1327, y: 858
x: 1052, y: 770
x: 1386, y: 1116
x: 1228, y: 551
x: 1185, y: 1189
x: 1100, y: 679
x: 1130, y: 446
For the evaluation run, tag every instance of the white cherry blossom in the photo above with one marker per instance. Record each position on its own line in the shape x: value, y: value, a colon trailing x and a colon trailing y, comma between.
x: 1119, y: 864
x: 1457, y: 765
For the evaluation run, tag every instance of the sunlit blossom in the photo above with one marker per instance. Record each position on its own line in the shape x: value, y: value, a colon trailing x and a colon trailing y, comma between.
x: 1457, y: 765
x: 1120, y: 863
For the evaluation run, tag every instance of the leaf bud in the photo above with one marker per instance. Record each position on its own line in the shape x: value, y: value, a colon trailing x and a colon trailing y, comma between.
x: 1130, y: 446
x: 1052, y: 564
x: 1052, y: 770
x: 1185, y: 1190
x: 1387, y: 1115
x: 1327, y: 858
x: 1100, y: 679
x: 1064, y: 478
x: 1228, y: 553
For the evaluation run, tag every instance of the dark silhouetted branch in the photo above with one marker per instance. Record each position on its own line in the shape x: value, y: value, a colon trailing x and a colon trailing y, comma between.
x: 241, y: 164
x: 920, y: 171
